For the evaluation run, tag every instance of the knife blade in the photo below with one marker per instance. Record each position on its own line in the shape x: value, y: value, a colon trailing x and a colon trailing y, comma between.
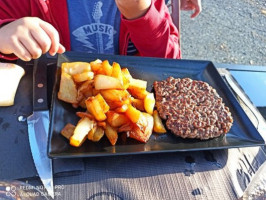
x: 38, y: 125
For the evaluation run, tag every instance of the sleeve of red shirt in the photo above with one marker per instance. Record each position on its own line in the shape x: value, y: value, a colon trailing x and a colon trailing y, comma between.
x: 154, y: 34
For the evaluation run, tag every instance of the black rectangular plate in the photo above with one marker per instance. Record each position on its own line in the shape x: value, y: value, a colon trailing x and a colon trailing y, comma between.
x: 242, y: 133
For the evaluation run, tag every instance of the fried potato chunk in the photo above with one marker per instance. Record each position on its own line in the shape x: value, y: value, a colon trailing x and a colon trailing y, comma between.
x: 158, y: 126
x: 73, y: 68
x: 98, y: 134
x: 84, y: 76
x: 97, y: 107
x: 67, y: 91
x: 133, y: 114
x: 142, y: 130
x: 149, y: 103
x: 102, y: 82
x: 111, y: 134
x: 116, y: 119
x: 68, y: 130
x: 82, y: 129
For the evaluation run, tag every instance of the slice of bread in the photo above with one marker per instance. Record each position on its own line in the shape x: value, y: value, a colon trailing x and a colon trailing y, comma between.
x: 10, y: 75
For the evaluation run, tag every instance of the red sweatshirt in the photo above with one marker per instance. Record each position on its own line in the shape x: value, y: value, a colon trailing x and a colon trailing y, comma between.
x: 154, y: 34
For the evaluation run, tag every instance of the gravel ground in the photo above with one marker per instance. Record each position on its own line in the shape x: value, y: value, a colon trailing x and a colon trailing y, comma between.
x: 226, y: 31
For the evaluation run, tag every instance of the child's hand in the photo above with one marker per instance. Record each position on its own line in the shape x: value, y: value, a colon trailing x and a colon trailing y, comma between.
x: 133, y: 9
x: 28, y: 38
x: 191, y: 5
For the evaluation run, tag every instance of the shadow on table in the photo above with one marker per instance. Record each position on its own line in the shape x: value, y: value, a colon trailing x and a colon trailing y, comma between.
x: 148, y: 165
x: 245, y: 161
x: 135, y: 166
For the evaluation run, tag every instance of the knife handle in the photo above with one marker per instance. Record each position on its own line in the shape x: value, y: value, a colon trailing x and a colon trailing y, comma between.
x: 40, y: 85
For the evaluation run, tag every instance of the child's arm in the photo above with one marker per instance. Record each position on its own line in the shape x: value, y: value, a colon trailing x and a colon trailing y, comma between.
x: 28, y: 38
x: 133, y: 9
x: 153, y: 33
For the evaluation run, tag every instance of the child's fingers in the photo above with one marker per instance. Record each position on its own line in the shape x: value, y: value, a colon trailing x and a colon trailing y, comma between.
x: 197, y: 8
x: 42, y: 39
x: 195, y: 14
x: 53, y: 35
x: 61, y: 49
x: 20, y: 51
x: 31, y: 45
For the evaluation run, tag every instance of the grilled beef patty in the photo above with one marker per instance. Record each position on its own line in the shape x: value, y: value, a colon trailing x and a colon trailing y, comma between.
x: 191, y: 108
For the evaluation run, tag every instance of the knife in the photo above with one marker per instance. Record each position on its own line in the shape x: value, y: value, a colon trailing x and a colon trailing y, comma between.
x: 38, y: 125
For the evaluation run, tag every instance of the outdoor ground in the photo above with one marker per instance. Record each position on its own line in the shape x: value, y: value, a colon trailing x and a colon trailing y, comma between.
x: 226, y: 31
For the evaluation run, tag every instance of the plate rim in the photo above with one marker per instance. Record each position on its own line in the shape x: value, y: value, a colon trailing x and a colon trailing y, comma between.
x: 67, y: 55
